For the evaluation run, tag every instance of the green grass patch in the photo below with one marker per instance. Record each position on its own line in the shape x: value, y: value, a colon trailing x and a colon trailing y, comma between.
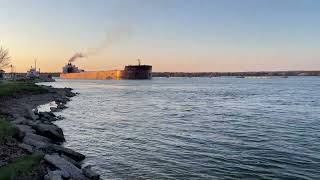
x: 6, y: 129
x: 10, y: 88
x: 21, y: 167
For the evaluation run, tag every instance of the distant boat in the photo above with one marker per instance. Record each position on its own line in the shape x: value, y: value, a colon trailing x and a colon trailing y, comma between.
x: 33, y: 73
x: 240, y: 77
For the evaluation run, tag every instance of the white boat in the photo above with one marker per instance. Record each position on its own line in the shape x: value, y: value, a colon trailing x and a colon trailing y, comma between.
x: 33, y: 73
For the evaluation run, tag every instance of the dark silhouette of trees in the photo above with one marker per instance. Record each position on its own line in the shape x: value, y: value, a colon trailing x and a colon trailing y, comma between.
x: 4, y: 58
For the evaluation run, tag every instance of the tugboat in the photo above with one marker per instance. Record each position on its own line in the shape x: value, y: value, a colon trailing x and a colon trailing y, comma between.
x: 33, y: 73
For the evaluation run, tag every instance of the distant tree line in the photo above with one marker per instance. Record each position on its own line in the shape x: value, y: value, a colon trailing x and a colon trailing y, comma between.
x: 218, y: 74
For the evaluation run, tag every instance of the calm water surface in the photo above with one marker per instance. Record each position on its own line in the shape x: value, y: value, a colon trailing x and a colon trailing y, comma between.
x: 197, y: 128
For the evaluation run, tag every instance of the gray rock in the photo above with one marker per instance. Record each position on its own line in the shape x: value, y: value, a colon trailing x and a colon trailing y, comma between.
x: 31, y: 115
x: 36, y: 111
x: 47, y: 120
x: 50, y: 90
x: 77, y: 164
x: 26, y: 147
x: 70, y: 94
x: 66, y: 89
x: 87, y: 171
x: 22, y: 121
x: 50, y: 131
x: 61, y: 100
x: 54, y: 175
x: 54, y: 109
x: 47, y: 116
x: 36, y: 144
x: 37, y: 137
x: 65, y: 175
x: 19, y: 135
x: 51, y: 114
x: 21, y: 130
x: 25, y: 128
x: 65, y: 166
x: 68, y: 152
x: 61, y: 106
x: 32, y: 123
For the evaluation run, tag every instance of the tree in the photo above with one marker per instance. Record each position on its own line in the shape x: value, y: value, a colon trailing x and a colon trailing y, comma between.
x: 4, y: 58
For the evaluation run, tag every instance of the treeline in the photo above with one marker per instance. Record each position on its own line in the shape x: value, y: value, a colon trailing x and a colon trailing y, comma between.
x: 217, y: 74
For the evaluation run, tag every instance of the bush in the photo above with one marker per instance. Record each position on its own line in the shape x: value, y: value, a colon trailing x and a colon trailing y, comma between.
x: 10, y: 88
x: 22, y: 167
x: 6, y: 129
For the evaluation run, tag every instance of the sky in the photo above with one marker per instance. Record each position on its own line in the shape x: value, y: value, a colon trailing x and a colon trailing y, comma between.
x: 171, y: 35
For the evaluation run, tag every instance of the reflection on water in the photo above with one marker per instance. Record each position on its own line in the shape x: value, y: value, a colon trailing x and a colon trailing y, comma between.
x: 197, y: 128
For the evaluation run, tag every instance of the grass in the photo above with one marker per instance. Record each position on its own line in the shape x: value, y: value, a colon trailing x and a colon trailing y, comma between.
x: 21, y: 167
x: 6, y: 129
x: 10, y: 88
x: 26, y: 165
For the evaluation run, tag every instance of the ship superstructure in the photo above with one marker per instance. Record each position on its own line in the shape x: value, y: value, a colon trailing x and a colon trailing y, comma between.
x: 70, y: 68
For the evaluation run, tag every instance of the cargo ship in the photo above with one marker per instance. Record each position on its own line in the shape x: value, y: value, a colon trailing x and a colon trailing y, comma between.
x: 70, y: 71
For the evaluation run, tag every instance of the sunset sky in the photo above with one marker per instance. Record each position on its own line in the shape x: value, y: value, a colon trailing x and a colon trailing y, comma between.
x: 172, y: 35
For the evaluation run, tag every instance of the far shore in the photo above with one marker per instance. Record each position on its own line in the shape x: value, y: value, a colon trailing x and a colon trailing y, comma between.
x: 214, y: 74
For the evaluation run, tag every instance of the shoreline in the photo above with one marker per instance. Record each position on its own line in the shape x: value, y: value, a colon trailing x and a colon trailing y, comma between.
x: 280, y: 73
x: 37, y: 134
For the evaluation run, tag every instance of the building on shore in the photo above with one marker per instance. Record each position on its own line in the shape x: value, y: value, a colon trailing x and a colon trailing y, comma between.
x: 2, y: 74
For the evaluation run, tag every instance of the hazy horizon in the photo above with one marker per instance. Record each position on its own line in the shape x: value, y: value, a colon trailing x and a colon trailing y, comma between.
x: 173, y: 36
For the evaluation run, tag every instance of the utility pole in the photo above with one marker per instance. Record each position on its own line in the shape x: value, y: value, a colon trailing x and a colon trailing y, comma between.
x: 12, y: 71
x: 11, y: 67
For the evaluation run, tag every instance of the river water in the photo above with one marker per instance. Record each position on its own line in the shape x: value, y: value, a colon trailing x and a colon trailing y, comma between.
x: 196, y: 128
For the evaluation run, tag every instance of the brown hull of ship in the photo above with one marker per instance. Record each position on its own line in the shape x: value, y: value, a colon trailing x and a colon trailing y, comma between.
x: 130, y: 72
x: 113, y: 74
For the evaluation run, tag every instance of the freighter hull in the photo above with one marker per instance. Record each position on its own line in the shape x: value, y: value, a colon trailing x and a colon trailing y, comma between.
x: 130, y: 72
x: 113, y: 74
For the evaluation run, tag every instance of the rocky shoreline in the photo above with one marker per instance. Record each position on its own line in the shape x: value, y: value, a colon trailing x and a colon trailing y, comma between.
x: 36, y: 133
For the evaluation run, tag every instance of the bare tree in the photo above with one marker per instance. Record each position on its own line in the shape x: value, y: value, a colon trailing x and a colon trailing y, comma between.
x: 4, y: 58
